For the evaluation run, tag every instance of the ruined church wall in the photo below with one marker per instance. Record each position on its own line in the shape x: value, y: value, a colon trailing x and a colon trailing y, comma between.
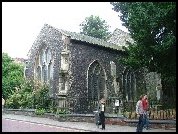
x: 53, y: 39
x: 82, y: 55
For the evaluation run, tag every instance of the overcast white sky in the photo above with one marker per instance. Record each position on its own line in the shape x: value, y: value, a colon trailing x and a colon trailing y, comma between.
x: 22, y: 21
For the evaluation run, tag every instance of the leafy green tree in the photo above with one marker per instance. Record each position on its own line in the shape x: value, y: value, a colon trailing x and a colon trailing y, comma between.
x: 12, y: 75
x: 96, y: 27
x: 152, y: 25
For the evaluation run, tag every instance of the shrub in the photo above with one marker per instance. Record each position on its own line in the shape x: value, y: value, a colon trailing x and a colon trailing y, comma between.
x: 40, y: 111
x: 14, y: 101
x: 31, y: 94
x: 62, y: 111
x: 41, y: 97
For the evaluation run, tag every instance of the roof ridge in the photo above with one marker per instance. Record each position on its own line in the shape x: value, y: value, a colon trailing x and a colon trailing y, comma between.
x: 120, y: 30
x: 86, y: 38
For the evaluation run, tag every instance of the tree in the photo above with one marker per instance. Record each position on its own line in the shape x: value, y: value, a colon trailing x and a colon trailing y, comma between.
x: 96, y: 27
x: 12, y: 75
x: 152, y: 25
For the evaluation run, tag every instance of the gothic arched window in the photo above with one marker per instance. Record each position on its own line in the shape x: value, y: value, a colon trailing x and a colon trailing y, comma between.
x: 113, y: 69
x: 96, y: 81
x: 129, y: 84
x: 44, y: 73
x: 44, y: 65
x: 50, y: 71
x: 39, y: 73
x: 42, y: 57
x: 48, y: 55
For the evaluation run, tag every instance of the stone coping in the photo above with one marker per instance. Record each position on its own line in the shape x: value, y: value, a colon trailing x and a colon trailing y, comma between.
x: 72, y: 114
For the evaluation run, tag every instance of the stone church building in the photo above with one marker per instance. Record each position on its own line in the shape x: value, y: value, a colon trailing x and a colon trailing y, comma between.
x: 81, y: 69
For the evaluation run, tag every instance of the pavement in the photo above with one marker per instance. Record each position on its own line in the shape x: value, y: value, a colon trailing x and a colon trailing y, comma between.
x: 153, y: 121
x: 85, y: 126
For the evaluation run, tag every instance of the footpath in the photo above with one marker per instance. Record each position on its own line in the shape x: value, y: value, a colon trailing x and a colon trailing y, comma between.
x: 91, y: 127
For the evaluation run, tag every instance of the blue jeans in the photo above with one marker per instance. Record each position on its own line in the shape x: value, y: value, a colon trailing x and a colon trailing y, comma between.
x: 146, y: 120
x: 140, y: 123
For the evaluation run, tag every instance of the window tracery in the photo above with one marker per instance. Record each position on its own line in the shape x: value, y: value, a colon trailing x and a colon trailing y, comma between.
x: 44, y: 65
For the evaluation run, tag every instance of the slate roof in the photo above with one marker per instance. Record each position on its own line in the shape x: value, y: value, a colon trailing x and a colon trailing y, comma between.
x: 89, y: 39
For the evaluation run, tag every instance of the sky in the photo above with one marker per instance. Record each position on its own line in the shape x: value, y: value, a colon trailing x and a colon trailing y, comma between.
x: 22, y: 21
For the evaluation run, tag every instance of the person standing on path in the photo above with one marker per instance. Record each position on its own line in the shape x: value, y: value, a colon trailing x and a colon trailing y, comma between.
x: 146, y: 108
x: 140, y: 114
x: 3, y: 102
x: 101, y: 113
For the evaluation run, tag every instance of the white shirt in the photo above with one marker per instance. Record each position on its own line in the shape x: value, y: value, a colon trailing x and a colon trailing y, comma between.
x: 3, y: 101
x: 139, y: 107
x: 102, y: 107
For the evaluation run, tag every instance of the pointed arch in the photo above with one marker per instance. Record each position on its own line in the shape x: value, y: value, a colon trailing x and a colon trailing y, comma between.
x: 96, y: 81
x: 48, y: 55
x: 129, y: 83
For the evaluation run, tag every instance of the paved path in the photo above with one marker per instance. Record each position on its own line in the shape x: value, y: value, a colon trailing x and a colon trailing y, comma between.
x: 71, y: 126
x: 9, y: 125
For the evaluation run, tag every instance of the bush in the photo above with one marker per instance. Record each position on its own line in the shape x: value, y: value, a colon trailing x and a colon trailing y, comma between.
x: 41, y: 97
x: 62, y: 111
x: 20, y: 100
x: 14, y: 101
x: 52, y: 108
x: 22, y: 97
x: 126, y: 114
x: 31, y: 94
x: 27, y: 100
x: 40, y: 111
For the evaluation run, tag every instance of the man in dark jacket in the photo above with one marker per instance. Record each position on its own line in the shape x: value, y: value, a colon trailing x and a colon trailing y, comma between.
x: 102, y: 111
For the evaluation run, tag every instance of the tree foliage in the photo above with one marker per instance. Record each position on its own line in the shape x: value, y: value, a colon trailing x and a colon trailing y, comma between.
x: 152, y: 25
x: 96, y: 27
x: 12, y: 75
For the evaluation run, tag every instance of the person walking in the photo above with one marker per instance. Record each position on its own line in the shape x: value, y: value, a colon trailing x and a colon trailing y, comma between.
x: 140, y: 114
x: 101, y: 113
x: 146, y: 108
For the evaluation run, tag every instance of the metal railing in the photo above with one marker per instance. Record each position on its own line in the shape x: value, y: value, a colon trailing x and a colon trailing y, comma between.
x: 156, y: 111
x: 87, y: 106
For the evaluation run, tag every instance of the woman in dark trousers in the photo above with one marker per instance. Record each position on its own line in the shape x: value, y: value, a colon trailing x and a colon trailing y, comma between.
x: 102, y: 111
